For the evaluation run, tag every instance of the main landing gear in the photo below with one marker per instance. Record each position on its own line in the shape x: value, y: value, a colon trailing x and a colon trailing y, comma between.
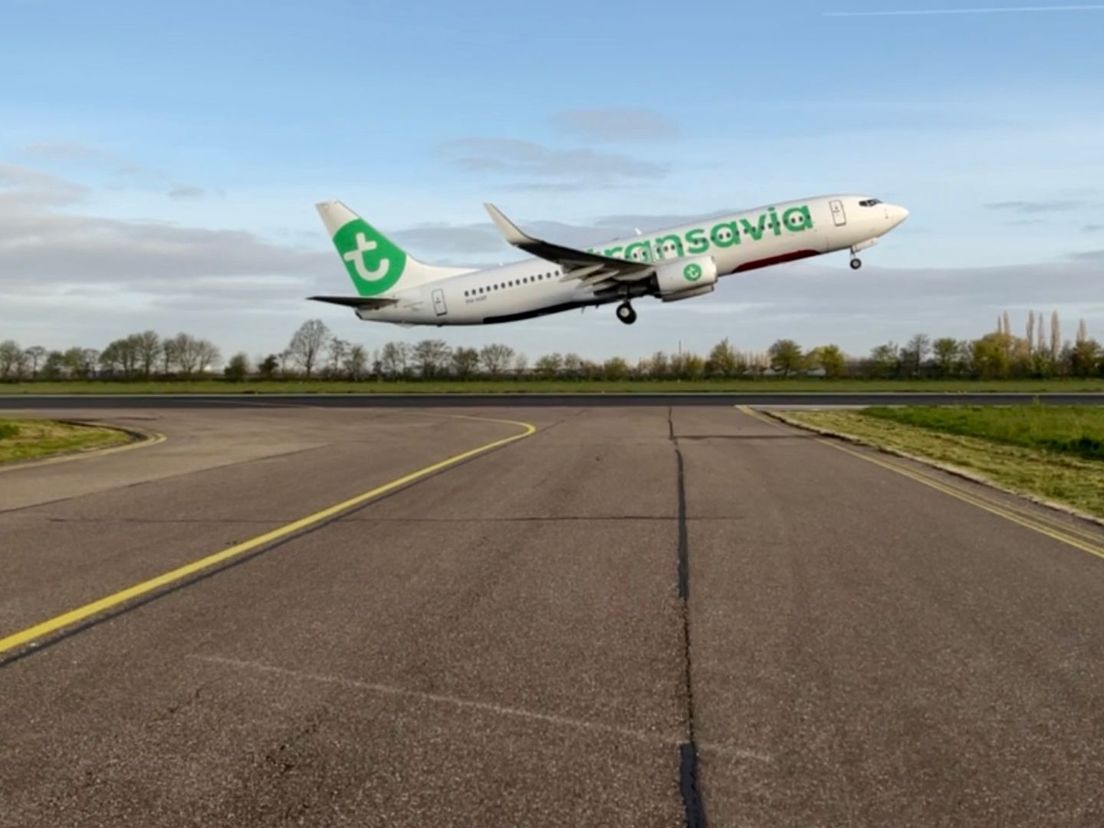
x: 626, y: 313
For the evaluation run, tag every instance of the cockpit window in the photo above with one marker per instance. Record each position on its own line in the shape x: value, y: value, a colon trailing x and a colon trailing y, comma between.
x: 870, y: 202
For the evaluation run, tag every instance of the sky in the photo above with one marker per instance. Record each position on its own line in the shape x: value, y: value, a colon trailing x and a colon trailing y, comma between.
x: 159, y: 163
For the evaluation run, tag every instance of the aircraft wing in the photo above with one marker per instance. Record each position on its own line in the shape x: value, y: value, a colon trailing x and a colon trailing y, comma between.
x: 593, y: 269
x: 354, y: 301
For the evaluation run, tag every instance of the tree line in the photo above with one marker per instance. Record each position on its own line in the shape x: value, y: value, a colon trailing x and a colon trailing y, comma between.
x: 315, y: 353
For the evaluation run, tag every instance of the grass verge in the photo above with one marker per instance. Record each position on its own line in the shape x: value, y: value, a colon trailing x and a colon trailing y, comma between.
x: 1021, y: 459
x: 37, y: 439
x: 1077, y: 430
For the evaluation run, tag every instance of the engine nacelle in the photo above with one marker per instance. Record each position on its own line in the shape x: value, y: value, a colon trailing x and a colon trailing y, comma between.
x: 686, y: 294
x: 684, y: 275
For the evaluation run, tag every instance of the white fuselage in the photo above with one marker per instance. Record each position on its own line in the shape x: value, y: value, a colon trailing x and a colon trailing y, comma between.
x: 737, y: 242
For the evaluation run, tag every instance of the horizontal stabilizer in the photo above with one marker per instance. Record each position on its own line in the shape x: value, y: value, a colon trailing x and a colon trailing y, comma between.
x: 354, y: 301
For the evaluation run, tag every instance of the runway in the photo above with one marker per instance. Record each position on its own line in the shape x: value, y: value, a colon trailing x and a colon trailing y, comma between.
x: 634, y: 615
x: 536, y: 400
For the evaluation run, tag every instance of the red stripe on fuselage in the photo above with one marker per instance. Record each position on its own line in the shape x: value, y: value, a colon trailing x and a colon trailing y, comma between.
x: 773, y: 260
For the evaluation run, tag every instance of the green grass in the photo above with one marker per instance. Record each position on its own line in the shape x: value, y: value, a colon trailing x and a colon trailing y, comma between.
x: 1077, y: 430
x: 1034, y: 450
x: 36, y: 439
x: 537, y: 386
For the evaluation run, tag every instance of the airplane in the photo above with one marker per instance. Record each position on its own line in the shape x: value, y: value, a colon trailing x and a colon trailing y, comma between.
x: 672, y: 265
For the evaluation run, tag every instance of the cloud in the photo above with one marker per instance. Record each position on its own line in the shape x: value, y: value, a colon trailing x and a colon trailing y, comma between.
x: 467, y: 239
x: 1088, y: 256
x: 23, y: 190
x: 1092, y: 228
x: 43, y: 250
x: 510, y: 156
x: 72, y: 279
x: 616, y: 125
x: 67, y: 151
x: 186, y: 191
x: 1030, y: 207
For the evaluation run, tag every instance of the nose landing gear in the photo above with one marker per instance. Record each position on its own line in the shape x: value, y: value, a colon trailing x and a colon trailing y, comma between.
x: 856, y: 263
x: 626, y: 313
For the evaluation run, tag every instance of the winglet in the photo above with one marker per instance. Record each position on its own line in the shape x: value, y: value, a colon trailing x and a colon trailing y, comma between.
x: 508, y: 229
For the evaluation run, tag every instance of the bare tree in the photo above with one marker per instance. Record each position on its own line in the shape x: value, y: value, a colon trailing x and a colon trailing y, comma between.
x: 185, y: 354
x: 916, y: 351
x: 1040, y: 334
x: 11, y: 359
x: 148, y: 346
x: 206, y: 355
x: 90, y: 358
x: 1082, y: 332
x: 495, y: 358
x: 356, y: 361
x: 121, y: 357
x: 432, y: 356
x: 465, y: 362
x: 168, y: 356
x: 338, y: 349
x: 394, y: 358
x: 1055, y: 336
x: 308, y: 343
x: 34, y: 356
x: 1030, y: 331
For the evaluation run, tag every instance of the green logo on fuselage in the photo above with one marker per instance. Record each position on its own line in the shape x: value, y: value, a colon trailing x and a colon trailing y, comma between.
x: 692, y: 272
x: 722, y: 234
x: 374, y: 264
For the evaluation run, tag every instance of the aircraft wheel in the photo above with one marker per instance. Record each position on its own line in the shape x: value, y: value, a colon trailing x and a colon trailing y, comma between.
x: 626, y: 313
x: 856, y: 264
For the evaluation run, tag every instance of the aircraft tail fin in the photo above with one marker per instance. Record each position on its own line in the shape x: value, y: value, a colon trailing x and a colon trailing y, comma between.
x: 376, y: 265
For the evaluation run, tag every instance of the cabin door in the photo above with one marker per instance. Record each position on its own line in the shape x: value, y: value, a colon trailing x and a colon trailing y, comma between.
x: 439, y: 302
x: 838, y: 216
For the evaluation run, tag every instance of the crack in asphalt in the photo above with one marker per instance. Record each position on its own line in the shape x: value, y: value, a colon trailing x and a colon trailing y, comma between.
x: 688, y: 750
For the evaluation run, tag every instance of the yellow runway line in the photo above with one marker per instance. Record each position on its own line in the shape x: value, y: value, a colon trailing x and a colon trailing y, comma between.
x: 1038, y: 523
x: 68, y: 619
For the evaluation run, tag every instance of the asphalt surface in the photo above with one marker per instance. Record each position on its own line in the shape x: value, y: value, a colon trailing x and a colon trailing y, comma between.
x: 637, y: 616
x: 510, y: 400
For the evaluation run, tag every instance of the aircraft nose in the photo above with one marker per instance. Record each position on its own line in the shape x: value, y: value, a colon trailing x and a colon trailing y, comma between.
x: 897, y: 214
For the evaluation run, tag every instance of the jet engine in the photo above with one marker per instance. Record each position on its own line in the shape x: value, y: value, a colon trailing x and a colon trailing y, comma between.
x: 686, y: 276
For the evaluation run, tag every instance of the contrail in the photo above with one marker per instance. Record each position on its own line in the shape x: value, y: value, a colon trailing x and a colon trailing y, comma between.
x: 996, y: 10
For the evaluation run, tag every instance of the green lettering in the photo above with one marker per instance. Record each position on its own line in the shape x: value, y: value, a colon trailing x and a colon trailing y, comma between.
x: 696, y: 241
x: 756, y: 232
x: 775, y: 224
x: 643, y: 247
x: 612, y: 251
x: 797, y: 219
x: 662, y: 242
x: 725, y: 234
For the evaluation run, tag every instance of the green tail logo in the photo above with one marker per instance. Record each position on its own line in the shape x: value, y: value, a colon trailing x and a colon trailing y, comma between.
x: 374, y: 263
